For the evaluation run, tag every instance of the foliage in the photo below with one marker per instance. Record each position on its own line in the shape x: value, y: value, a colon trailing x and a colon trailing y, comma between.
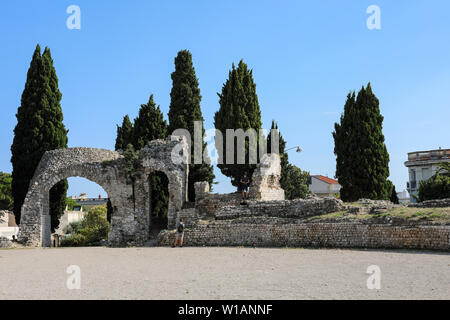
x: 184, y: 110
x: 72, y: 227
x: 90, y: 231
x: 39, y: 128
x: 124, y: 134
x: 392, y: 192
x: 295, y: 184
x: 6, y: 199
x: 362, y: 160
x: 74, y: 240
x: 149, y: 125
x: 444, y: 168
x: 70, y: 203
x: 239, y: 109
x: 437, y: 187
x: 293, y: 180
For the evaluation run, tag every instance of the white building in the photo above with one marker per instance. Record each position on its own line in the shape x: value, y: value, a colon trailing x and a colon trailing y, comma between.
x: 323, y: 186
x: 8, y: 226
x: 422, y: 165
x: 69, y: 217
x: 403, y: 197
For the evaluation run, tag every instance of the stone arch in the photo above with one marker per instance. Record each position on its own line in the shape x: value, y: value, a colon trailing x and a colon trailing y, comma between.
x: 129, y: 223
x: 57, y: 165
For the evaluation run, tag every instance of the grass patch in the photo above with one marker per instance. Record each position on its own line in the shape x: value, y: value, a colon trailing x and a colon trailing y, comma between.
x: 434, y: 215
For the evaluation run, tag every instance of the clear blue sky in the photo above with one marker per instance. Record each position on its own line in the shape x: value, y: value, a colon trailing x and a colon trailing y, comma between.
x: 306, y: 56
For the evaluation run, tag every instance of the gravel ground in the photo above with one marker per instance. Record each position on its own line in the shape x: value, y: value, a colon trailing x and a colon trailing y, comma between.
x: 222, y: 273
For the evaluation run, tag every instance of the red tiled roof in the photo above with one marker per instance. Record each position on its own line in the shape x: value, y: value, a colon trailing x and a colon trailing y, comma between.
x: 326, y: 179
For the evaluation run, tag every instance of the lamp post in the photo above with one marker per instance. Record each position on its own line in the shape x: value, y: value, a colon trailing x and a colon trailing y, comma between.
x: 298, y: 149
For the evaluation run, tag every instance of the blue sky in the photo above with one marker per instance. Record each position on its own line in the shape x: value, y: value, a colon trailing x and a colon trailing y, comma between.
x: 306, y: 56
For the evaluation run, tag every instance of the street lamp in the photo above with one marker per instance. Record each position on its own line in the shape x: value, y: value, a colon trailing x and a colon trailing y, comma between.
x: 298, y: 149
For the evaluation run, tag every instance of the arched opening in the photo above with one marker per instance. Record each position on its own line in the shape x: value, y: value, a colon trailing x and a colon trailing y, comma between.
x: 82, y: 217
x: 158, y: 203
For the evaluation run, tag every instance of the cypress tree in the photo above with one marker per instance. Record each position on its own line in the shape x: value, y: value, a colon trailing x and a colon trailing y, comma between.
x: 150, y: 125
x: 293, y: 180
x: 124, y: 134
x: 362, y: 160
x: 39, y: 128
x: 239, y: 109
x: 184, y: 109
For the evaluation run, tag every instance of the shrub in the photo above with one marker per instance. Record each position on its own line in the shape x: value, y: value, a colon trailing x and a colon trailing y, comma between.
x: 74, y: 240
x: 72, y: 227
x: 90, y: 231
x: 437, y: 187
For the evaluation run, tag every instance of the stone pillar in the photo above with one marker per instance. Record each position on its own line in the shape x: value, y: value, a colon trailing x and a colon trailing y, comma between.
x: 265, y: 185
x: 46, y: 233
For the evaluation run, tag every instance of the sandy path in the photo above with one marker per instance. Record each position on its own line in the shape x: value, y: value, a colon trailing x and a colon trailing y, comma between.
x: 222, y: 273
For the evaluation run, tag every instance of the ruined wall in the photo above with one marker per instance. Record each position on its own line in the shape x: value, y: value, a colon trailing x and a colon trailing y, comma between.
x: 334, y: 235
x: 130, y: 198
x: 265, y: 180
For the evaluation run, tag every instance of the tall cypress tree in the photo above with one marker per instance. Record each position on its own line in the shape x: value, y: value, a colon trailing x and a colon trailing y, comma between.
x: 150, y: 125
x: 39, y: 128
x: 293, y: 180
x: 184, y: 109
x: 239, y: 109
x: 124, y: 134
x: 362, y: 160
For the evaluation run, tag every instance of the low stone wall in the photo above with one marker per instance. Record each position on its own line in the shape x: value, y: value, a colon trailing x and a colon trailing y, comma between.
x: 441, y: 203
x: 336, y: 235
x: 298, y: 208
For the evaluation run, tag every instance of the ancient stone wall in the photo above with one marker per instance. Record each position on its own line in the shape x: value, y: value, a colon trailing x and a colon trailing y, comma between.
x: 265, y: 184
x: 440, y: 203
x: 335, y: 235
x: 130, y: 198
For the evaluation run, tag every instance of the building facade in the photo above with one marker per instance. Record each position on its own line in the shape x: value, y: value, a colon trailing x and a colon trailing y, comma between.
x: 323, y: 186
x: 422, y: 165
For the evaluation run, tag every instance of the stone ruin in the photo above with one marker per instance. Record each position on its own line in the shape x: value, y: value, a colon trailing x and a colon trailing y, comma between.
x: 131, y: 215
x: 213, y: 219
x: 131, y: 218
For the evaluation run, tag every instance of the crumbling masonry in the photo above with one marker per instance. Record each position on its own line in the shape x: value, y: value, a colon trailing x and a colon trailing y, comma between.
x: 130, y: 221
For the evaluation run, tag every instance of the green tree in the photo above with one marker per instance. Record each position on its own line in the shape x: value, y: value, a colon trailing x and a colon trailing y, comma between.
x: 293, y: 180
x: 444, y: 168
x: 6, y: 199
x: 239, y: 109
x: 150, y: 125
x: 392, y: 193
x: 296, y: 184
x: 39, y: 128
x: 184, y: 109
x: 437, y: 187
x: 362, y: 160
x: 124, y: 134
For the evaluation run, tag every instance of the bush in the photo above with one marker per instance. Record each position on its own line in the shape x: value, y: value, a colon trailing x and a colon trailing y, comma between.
x: 72, y: 227
x: 437, y: 187
x: 74, y: 240
x: 90, y: 231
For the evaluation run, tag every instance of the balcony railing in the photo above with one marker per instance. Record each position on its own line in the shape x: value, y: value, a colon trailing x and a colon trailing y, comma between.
x: 441, y: 154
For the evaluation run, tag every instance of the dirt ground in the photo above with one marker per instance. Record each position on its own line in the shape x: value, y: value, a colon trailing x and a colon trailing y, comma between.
x: 222, y: 273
